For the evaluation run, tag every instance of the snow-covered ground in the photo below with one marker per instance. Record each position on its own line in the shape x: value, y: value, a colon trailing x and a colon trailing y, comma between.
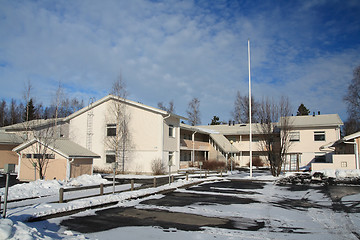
x: 271, y: 205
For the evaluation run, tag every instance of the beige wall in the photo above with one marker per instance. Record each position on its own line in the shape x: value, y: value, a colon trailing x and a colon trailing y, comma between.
x: 308, y: 147
x: 80, y: 167
x: 338, y: 163
x: 147, y: 129
x: 7, y: 156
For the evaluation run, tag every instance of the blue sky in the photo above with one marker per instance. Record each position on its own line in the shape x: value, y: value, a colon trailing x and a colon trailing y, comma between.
x: 177, y: 50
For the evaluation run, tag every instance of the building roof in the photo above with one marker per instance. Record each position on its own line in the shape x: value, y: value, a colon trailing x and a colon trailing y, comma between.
x: 224, y: 143
x: 326, y: 120
x: 9, y: 138
x: 33, y: 124
x: 225, y: 129
x: 351, y: 136
x: 62, y: 146
x: 129, y: 102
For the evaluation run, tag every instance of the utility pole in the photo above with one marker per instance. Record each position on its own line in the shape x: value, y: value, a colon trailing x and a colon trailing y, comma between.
x: 250, y: 110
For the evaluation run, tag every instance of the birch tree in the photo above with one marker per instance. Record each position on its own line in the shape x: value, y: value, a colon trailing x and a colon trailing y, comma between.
x: 240, y: 113
x: 274, y: 131
x: 118, y: 139
x: 193, y: 112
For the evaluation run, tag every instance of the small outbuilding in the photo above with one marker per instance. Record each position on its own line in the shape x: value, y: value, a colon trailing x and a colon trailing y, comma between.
x: 7, y: 142
x: 60, y: 158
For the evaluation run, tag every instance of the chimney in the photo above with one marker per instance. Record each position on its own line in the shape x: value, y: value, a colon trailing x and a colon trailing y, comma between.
x: 318, y: 112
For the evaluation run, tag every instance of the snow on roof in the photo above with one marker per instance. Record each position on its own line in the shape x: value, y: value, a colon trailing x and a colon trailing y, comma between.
x: 33, y: 124
x: 127, y: 101
x: 9, y: 138
x: 326, y: 120
x: 62, y: 146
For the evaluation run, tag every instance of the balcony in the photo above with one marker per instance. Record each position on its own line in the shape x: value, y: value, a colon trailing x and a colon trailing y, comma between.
x: 198, y: 146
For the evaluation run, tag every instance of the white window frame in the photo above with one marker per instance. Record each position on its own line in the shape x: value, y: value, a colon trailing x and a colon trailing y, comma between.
x: 171, y: 131
x: 111, y: 127
x: 318, y: 134
x: 294, y: 136
x: 110, y: 153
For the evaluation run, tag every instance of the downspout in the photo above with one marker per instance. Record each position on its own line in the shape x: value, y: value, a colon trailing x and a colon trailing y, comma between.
x: 19, y: 165
x: 68, y: 169
x: 193, y: 150
x: 163, y: 137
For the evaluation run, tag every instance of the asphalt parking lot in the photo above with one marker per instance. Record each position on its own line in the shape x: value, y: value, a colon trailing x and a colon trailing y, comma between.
x: 188, y: 209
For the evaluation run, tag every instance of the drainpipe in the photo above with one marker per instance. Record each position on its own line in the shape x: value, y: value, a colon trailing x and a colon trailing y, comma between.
x: 193, y: 143
x: 19, y: 164
x: 356, y: 152
x: 68, y: 169
x: 163, y: 138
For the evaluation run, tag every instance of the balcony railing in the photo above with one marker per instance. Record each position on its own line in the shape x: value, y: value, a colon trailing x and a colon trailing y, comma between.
x: 188, y: 145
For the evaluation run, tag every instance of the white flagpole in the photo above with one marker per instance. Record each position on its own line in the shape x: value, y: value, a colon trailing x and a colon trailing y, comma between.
x: 250, y: 159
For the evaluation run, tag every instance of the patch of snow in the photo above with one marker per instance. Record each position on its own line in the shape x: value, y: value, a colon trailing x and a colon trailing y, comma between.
x: 41, y: 188
x: 341, y: 173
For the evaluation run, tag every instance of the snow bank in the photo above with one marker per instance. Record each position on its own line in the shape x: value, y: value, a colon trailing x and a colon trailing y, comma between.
x: 40, y: 188
x: 87, y: 180
x: 18, y: 230
x: 340, y: 173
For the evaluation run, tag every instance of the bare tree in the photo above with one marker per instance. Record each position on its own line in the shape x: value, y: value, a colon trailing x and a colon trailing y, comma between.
x: 274, y: 129
x: 352, y: 98
x: 43, y: 138
x: 241, y: 109
x: 119, y: 138
x: 193, y: 112
x: 170, y: 109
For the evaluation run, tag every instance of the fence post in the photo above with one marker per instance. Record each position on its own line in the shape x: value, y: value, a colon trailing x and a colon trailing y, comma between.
x: 154, y: 181
x: 187, y: 176
x: 206, y: 174
x: 221, y: 173
x: 172, y: 178
x: 101, y: 189
x: 132, y: 184
x: 61, y: 195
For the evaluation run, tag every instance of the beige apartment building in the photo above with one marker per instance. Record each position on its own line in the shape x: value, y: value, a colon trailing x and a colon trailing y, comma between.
x: 153, y: 134
x: 219, y: 142
x: 345, y: 155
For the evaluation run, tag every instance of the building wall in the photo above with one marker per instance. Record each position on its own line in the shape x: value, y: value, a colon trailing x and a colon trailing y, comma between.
x: 340, y: 161
x: 7, y: 156
x: 149, y: 136
x: 56, y: 167
x: 80, y: 167
x: 308, y: 147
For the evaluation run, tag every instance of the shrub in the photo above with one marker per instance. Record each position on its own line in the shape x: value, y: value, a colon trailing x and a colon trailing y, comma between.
x: 256, y: 162
x: 213, y: 165
x: 158, y: 167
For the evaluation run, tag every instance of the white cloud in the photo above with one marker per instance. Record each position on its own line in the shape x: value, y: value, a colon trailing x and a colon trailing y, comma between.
x: 172, y: 50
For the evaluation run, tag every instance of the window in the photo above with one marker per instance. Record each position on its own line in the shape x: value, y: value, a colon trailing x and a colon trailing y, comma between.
x: 319, y: 136
x: 344, y: 164
x: 320, y: 158
x: 171, y: 131
x: 110, y: 157
x: 255, y: 138
x: 111, y: 130
x: 294, y: 136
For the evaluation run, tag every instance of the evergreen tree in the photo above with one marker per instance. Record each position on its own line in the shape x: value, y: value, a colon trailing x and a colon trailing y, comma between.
x: 302, y: 110
x: 30, y: 111
x: 215, y: 121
